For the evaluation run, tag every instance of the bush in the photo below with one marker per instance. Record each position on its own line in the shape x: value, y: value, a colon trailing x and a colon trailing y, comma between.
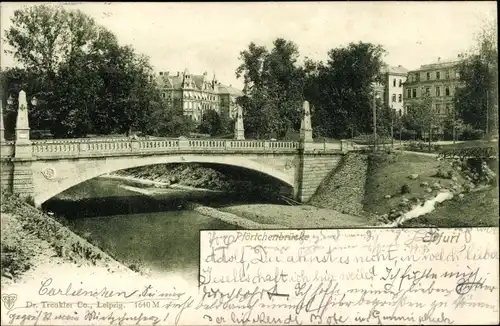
x: 405, y: 189
x: 469, y: 133
x: 368, y: 139
x: 407, y: 134
x: 14, y: 260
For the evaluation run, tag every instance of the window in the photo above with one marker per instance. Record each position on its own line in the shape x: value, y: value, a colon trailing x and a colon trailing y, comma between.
x: 400, y: 83
x: 400, y: 98
x: 447, y: 91
x: 394, y: 82
x: 427, y: 90
x: 438, y: 75
x: 428, y: 76
x: 457, y: 74
x: 408, y: 91
x: 448, y: 74
x: 438, y: 91
x: 394, y: 97
x: 418, y: 76
x: 438, y: 108
x: 163, y: 95
x: 448, y: 110
x: 414, y: 91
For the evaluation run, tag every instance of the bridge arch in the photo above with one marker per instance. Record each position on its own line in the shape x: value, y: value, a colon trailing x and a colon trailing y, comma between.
x: 86, y: 169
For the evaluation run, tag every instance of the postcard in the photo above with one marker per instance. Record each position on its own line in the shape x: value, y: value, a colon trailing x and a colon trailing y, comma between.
x: 249, y: 163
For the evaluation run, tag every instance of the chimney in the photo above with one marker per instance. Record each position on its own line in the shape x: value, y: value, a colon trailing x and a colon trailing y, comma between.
x: 161, y: 73
x: 400, y: 66
x: 178, y: 73
x: 439, y: 59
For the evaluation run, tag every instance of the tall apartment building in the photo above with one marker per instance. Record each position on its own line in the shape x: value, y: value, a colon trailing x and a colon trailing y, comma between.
x: 390, y: 90
x: 394, y: 79
x: 195, y: 94
x: 440, y: 80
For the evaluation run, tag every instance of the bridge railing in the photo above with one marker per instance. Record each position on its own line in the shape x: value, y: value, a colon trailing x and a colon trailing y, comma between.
x: 99, y: 147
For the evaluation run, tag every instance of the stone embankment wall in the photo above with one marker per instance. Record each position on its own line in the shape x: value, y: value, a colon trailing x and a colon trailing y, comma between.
x: 315, y: 169
x: 344, y: 189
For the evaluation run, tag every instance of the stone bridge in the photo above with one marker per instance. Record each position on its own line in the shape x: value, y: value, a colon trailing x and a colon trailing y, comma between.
x: 44, y: 168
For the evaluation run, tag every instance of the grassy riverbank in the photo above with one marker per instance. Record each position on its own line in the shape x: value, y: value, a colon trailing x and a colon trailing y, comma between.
x: 397, y: 181
x: 475, y: 209
x: 392, y: 177
x: 31, y: 238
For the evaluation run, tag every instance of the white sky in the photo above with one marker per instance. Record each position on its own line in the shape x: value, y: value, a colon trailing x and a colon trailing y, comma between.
x: 209, y: 36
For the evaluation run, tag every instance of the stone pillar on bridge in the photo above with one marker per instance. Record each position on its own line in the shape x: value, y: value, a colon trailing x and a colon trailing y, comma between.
x: 305, y: 125
x: 23, y: 176
x: 2, y: 128
x: 239, y: 130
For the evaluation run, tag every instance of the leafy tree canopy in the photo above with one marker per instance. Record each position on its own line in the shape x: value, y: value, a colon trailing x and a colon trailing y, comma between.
x: 476, y: 102
x: 84, y: 80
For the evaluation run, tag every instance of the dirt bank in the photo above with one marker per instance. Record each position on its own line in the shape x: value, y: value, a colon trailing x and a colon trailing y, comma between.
x: 298, y: 216
x: 31, y: 239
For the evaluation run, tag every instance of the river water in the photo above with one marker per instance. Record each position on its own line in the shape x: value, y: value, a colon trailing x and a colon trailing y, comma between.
x: 152, y: 232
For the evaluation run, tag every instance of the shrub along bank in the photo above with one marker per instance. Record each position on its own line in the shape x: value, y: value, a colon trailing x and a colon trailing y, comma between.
x: 28, y: 234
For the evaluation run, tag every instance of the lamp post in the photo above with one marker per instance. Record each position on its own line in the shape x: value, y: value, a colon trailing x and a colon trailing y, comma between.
x: 392, y: 126
x: 454, y: 126
x: 487, y: 114
x: 375, y: 97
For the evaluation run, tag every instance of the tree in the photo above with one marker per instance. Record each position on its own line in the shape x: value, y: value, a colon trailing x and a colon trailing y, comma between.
x: 284, y: 82
x: 210, y: 123
x: 45, y: 36
x: 170, y: 122
x: 423, y: 118
x: 85, y: 81
x: 251, y: 68
x: 273, y: 88
x: 476, y: 102
x: 341, y: 88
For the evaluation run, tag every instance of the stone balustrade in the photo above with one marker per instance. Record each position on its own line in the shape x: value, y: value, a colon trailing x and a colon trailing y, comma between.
x: 92, y: 147
x: 88, y: 147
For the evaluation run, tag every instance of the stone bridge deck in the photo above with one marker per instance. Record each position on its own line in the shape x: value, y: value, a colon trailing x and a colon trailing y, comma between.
x: 105, y: 147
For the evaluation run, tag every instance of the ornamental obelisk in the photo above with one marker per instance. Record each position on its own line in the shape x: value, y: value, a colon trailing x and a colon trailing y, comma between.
x: 22, y: 183
x: 2, y: 128
x: 23, y: 143
x: 239, y: 130
x: 305, y: 125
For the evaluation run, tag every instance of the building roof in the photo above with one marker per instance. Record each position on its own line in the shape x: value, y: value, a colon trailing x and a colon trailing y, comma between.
x: 168, y: 80
x: 440, y: 64
x: 395, y: 70
x: 230, y: 90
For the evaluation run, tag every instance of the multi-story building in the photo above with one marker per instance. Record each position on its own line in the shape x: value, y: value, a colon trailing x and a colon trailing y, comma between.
x: 195, y: 94
x: 440, y: 80
x: 394, y: 79
x: 228, y: 96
